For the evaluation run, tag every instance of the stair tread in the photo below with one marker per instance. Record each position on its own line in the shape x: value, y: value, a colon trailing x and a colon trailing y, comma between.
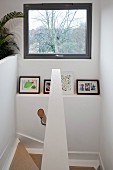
x: 37, y: 158
x: 22, y: 160
x: 81, y: 168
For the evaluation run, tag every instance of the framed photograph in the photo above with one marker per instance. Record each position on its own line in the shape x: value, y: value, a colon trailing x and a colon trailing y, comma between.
x: 88, y: 87
x: 29, y: 84
x: 47, y: 83
x: 67, y: 83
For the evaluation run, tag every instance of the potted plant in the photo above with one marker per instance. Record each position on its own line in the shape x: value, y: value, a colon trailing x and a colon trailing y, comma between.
x: 8, y: 45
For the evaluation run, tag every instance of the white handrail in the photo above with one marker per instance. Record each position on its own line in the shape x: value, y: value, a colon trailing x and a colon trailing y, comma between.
x: 55, y: 155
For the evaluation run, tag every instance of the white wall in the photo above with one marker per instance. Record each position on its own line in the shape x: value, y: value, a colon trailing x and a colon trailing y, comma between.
x: 8, y: 79
x: 82, y: 119
x: 106, y: 68
x: 85, y: 114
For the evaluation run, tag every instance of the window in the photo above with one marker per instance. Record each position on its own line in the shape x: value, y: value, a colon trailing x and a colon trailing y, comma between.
x: 57, y: 30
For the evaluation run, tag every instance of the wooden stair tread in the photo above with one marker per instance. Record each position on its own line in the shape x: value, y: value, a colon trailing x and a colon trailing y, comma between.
x: 81, y: 168
x: 37, y: 158
x: 22, y: 160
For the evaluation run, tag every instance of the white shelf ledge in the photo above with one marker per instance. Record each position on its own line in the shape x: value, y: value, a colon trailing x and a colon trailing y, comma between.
x: 64, y: 96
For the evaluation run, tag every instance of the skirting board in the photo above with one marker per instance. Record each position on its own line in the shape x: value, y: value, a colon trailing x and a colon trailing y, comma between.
x: 29, y: 141
x: 8, y: 154
x: 101, y: 163
x: 85, y: 163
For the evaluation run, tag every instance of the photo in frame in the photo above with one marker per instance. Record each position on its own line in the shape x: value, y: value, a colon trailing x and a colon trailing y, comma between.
x: 87, y: 87
x: 47, y: 83
x: 67, y: 83
x: 29, y: 84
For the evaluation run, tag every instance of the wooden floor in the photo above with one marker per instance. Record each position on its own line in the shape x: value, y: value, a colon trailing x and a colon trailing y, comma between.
x: 22, y: 160
x: 38, y: 158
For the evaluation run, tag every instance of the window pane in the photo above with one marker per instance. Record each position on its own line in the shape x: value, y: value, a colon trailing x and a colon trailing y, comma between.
x: 57, y: 31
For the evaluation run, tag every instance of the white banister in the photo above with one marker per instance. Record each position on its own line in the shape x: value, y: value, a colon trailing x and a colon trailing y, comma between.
x: 55, y: 155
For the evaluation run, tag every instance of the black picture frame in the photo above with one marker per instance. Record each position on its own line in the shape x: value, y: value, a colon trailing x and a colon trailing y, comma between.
x: 29, y: 84
x: 47, y: 83
x: 87, y: 87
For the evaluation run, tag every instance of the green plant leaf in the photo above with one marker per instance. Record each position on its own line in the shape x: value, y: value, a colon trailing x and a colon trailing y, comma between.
x: 10, y: 16
x: 7, y: 44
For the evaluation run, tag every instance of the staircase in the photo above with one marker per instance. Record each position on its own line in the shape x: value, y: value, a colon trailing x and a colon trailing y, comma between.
x: 37, y: 159
x: 55, y: 152
x: 22, y: 160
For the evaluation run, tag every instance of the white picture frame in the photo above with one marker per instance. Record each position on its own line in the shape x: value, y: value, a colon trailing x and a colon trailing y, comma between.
x: 67, y: 81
